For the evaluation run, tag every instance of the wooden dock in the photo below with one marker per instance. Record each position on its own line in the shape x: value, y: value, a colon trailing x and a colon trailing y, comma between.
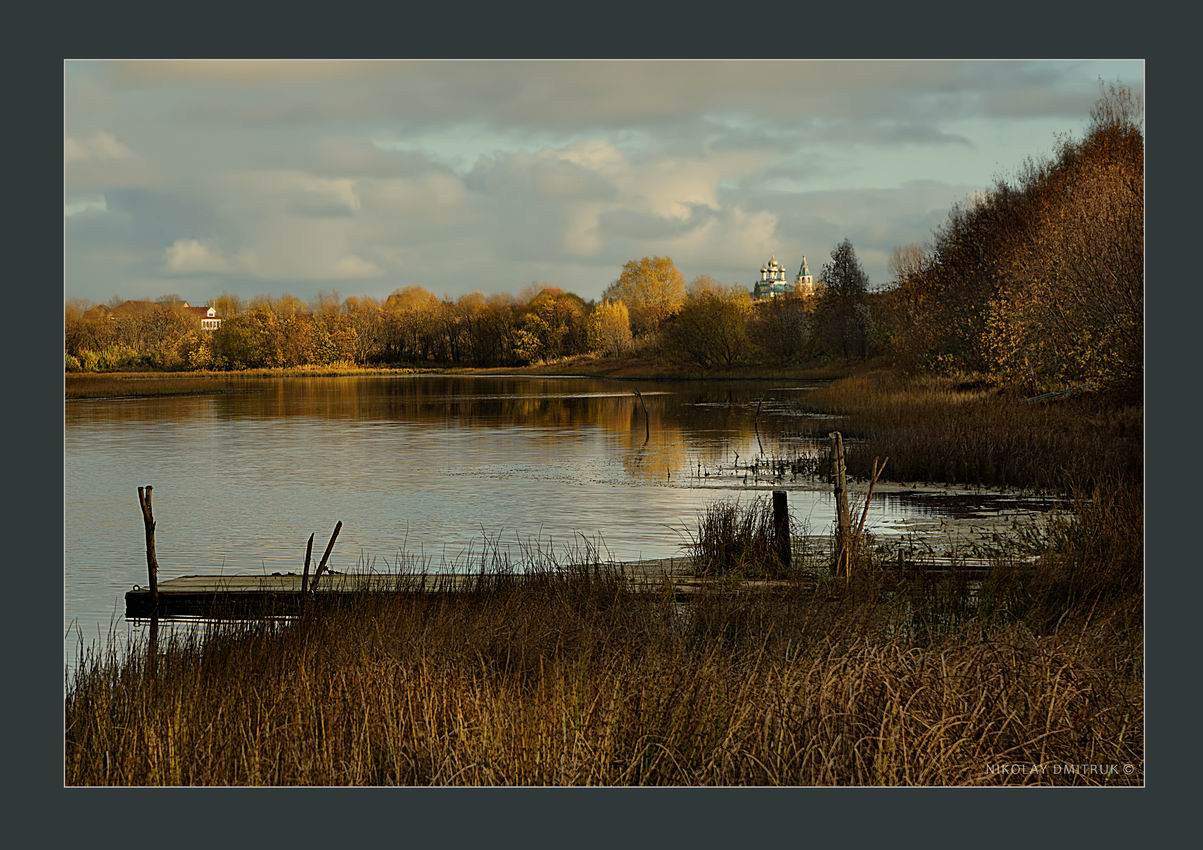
x: 281, y: 593
x: 241, y: 596
x: 287, y: 594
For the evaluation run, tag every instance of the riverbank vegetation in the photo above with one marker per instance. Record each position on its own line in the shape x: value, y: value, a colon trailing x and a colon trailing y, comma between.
x: 572, y: 679
x: 949, y: 430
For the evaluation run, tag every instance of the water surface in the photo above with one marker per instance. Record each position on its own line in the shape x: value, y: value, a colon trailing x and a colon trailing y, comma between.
x: 432, y: 466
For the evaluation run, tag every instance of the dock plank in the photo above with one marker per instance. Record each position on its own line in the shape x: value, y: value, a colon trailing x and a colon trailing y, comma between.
x: 280, y: 593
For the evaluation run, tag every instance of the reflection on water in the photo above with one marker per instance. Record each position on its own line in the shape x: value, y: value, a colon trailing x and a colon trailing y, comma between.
x: 421, y: 464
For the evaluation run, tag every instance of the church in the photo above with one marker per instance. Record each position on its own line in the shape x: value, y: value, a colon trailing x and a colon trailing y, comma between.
x: 773, y: 281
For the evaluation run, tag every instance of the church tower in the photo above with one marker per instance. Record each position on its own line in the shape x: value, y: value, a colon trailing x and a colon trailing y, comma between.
x: 804, y: 283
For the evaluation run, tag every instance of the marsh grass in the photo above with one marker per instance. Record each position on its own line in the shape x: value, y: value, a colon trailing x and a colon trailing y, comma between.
x: 956, y: 431
x: 738, y: 539
x: 567, y: 677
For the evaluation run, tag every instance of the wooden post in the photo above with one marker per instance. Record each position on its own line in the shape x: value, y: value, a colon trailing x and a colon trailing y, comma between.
x: 843, y: 520
x: 781, y: 527
x: 305, y: 574
x: 326, y: 555
x: 152, y: 561
x: 647, y: 419
x: 756, y: 425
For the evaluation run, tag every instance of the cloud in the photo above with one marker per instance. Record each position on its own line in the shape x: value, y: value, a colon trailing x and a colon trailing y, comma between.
x: 591, y: 95
x: 320, y: 262
x: 296, y: 192
x: 270, y: 176
x: 85, y: 205
x: 351, y: 267
x: 191, y: 256
x: 98, y: 146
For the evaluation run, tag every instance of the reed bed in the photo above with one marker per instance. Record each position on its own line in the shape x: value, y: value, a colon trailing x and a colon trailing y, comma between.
x: 737, y: 539
x: 567, y: 677
x: 957, y: 431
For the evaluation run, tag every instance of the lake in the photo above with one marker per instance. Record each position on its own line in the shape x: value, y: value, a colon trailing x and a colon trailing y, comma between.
x: 428, y: 466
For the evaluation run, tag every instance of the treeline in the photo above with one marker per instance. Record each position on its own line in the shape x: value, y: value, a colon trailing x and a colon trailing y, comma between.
x: 648, y: 310
x: 411, y: 326
x: 1037, y: 283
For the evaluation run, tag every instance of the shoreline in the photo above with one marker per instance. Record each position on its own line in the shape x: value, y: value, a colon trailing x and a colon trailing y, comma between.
x: 79, y: 386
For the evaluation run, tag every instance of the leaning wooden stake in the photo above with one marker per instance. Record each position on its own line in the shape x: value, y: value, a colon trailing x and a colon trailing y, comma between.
x: 152, y: 561
x: 756, y: 425
x: 781, y: 527
x: 858, y: 533
x: 647, y: 419
x: 864, y: 516
x: 843, y: 520
x: 305, y: 575
x: 326, y: 555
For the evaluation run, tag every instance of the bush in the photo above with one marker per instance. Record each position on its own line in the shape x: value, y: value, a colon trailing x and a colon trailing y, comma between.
x: 737, y: 539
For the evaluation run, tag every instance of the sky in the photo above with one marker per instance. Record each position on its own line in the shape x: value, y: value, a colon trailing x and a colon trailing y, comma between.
x: 264, y: 177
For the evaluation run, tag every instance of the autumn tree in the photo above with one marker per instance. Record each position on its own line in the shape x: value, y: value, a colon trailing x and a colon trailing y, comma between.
x: 412, y: 322
x: 366, y: 317
x: 712, y: 327
x: 227, y: 305
x: 1039, y: 281
x: 553, y: 325
x: 610, y: 328
x: 1071, y: 311
x: 652, y: 288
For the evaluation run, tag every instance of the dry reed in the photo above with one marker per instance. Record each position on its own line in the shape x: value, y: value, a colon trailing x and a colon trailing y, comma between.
x: 569, y: 678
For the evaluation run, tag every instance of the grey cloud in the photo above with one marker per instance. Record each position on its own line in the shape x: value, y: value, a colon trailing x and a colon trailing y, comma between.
x: 572, y: 169
x: 639, y: 225
x: 353, y: 157
x: 546, y: 176
x: 317, y: 207
x: 579, y: 96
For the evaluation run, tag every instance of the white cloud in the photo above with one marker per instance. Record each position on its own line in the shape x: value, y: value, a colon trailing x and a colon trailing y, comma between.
x: 98, y: 146
x: 277, y: 191
x: 191, y: 256
x: 303, y: 250
x: 86, y: 204
x: 352, y: 267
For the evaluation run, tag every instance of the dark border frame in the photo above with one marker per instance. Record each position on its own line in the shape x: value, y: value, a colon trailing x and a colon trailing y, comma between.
x: 743, y: 817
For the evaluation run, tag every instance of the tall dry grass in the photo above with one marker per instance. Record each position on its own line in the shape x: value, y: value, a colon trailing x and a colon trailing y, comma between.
x: 573, y: 679
x: 737, y: 539
x: 939, y: 429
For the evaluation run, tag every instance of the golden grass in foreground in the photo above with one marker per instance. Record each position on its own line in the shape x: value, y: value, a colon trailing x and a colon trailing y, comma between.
x: 572, y: 680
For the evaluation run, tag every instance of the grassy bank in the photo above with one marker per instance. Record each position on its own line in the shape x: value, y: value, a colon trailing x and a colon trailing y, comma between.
x: 573, y: 680
x: 646, y: 368
x: 78, y: 385
x: 939, y: 429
